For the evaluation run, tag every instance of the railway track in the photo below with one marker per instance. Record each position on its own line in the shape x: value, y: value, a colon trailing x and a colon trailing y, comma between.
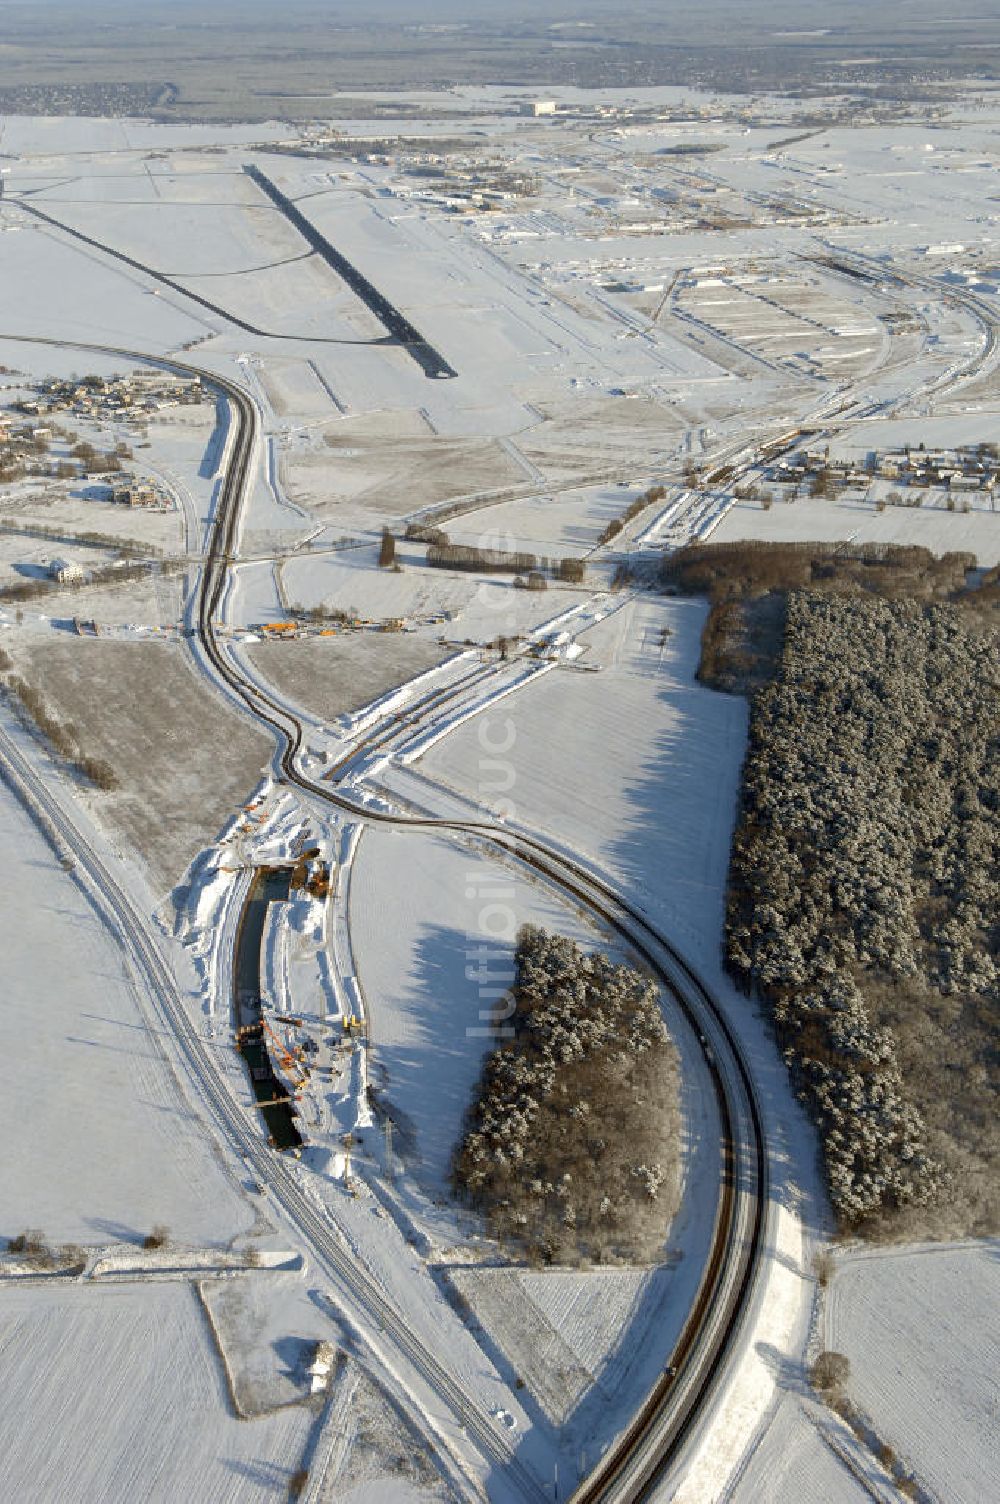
x: 645, y: 1452
x: 654, y: 1440
x: 334, y: 1259
x: 653, y: 1443
x: 409, y: 719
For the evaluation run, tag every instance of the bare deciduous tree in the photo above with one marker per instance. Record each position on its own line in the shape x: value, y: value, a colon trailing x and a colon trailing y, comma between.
x: 830, y: 1372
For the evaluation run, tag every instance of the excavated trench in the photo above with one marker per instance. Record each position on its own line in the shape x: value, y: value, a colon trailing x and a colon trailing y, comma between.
x: 271, y: 885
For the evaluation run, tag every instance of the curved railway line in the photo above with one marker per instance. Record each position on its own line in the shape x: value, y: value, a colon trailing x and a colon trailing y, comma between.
x: 330, y: 1253
x: 652, y: 1441
x: 645, y: 1452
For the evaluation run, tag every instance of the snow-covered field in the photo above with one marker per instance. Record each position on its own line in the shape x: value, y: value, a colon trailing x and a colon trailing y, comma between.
x: 919, y: 1326
x: 815, y: 519
x: 568, y: 524
x: 793, y: 1463
x: 101, y: 1140
x: 366, y: 472
x: 598, y: 345
x: 566, y: 1332
x: 327, y: 676
x: 117, y: 1393
x: 476, y: 607
x: 48, y: 290
x: 425, y: 913
x: 655, y: 809
x: 183, y: 759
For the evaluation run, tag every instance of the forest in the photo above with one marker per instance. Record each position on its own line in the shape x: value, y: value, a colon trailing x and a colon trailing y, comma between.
x: 572, y: 1145
x: 862, y: 897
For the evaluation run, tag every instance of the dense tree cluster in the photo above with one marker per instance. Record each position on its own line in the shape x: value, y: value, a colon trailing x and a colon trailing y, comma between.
x: 866, y: 855
x: 423, y: 532
x: 482, y: 560
x: 572, y: 571
x: 727, y: 571
x: 747, y: 584
x: 572, y: 1144
x: 387, y: 549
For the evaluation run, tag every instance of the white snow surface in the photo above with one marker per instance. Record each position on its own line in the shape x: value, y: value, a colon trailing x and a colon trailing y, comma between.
x: 656, y: 808
x: 793, y: 1464
x: 564, y: 1332
x: 117, y: 1392
x: 424, y: 909
x: 89, y: 1076
x: 633, y: 764
x: 920, y: 1329
x: 815, y: 519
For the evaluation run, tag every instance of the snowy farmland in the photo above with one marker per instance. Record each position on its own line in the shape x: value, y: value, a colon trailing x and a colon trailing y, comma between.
x: 626, y: 300
x: 328, y: 676
x: 816, y: 519
x: 423, y: 911
x: 68, y: 1434
x: 457, y: 606
x: 373, y: 470
x: 579, y: 1341
x: 92, y: 1077
x: 919, y: 1329
x: 140, y: 704
x: 794, y: 1461
x: 657, y: 810
x: 568, y: 524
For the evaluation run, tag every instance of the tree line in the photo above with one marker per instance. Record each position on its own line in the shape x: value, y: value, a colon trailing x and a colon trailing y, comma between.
x: 864, y: 874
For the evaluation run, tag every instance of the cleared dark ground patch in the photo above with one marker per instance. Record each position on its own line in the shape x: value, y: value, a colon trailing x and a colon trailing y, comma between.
x: 183, y: 760
x: 332, y: 675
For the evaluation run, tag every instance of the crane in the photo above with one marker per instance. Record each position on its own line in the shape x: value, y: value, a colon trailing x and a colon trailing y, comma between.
x: 285, y: 1056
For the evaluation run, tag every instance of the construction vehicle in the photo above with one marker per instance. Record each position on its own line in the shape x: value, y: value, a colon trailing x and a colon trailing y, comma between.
x: 352, y: 1024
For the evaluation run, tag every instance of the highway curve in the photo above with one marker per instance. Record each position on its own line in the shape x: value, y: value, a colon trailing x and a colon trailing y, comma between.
x: 652, y: 1442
